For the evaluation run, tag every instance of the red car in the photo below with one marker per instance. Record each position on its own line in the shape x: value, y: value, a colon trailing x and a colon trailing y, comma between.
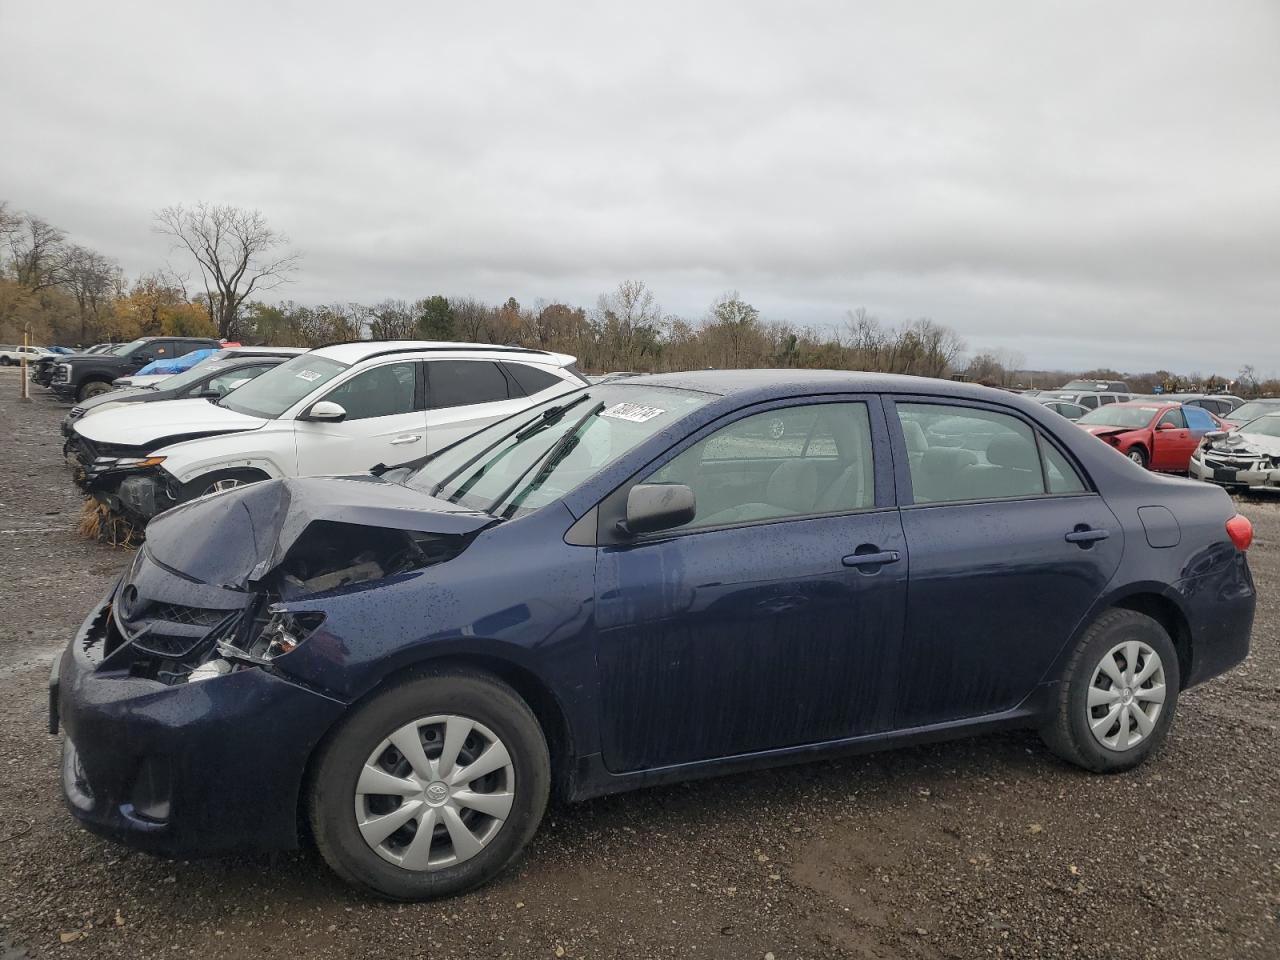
x: 1155, y: 435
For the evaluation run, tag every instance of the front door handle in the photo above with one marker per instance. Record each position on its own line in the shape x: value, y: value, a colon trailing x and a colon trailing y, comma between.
x: 871, y: 559
x: 401, y: 440
x: 1086, y: 537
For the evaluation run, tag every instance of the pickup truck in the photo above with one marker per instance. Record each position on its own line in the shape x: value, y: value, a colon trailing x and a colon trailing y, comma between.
x: 84, y: 375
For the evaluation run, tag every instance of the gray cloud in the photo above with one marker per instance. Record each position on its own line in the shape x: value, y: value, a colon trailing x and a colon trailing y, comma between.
x: 1086, y: 183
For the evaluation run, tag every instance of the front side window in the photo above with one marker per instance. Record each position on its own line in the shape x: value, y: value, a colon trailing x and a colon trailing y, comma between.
x: 1089, y: 400
x: 280, y: 388
x: 383, y: 391
x: 962, y: 453
x: 793, y: 462
x: 459, y: 383
x: 1173, y: 418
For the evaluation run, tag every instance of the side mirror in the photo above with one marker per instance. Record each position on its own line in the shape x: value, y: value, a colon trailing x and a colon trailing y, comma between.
x: 1167, y: 426
x: 658, y: 506
x: 325, y: 411
x: 207, y: 394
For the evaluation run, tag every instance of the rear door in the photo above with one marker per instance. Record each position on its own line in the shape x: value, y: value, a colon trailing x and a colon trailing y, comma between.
x: 385, y: 422
x: 771, y: 620
x: 1009, y: 549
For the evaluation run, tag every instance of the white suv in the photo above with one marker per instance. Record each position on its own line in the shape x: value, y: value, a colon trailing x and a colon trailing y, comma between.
x: 340, y: 409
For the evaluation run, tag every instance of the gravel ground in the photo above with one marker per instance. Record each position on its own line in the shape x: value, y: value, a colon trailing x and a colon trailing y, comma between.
x: 982, y: 848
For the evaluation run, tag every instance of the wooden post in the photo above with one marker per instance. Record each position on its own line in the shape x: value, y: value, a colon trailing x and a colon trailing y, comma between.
x: 25, y: 395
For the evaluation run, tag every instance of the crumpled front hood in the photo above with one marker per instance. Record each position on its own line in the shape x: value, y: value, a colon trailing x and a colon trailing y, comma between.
x: 236, y: 538
x: 1249, y: 444
x: 170, y: 419
x: 115, y: 396
x: 1101, y: 430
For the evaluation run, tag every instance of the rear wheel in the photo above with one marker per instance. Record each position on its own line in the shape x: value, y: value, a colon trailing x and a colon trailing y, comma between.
x: 1138, y: 456
x: 5, y: 361
x: 94, y: 388
x: 1118, y: 694
x: 431, y: 788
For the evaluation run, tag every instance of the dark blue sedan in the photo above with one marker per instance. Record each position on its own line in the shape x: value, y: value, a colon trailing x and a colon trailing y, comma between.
x: 642, y: 582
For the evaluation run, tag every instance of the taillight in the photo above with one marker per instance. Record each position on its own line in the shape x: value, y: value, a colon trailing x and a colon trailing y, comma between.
x: 1240, y: 530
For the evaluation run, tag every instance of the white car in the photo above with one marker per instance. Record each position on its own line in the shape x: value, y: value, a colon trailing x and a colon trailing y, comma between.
x: 335, y: 410
x: 11, y: 354
x: 1247, y: 458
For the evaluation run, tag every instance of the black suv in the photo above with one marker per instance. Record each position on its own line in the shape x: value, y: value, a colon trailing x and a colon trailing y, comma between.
x: 83, y: 375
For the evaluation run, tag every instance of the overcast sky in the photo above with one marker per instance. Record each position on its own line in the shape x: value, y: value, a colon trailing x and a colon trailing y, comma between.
x: 1084, y: 183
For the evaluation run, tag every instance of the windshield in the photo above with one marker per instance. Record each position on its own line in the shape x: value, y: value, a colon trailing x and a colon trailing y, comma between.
x: 124, y: 348
x: 1268, y: 426
x: 525, y: 462
x: 197, y: 373
x: 280, y: 388
x: 1254, y: 408
x: 1116, y: 415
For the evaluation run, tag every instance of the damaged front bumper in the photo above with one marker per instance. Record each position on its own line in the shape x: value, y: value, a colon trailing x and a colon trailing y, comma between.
x: 138, y: 493
x: 1234, y: 472
x: 181, y: 769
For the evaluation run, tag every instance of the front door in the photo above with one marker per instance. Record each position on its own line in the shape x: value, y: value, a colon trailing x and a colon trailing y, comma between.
x: 773, y: 618
x: 384, y: 423
x: 1009, y: 550
x: 1172, y: 442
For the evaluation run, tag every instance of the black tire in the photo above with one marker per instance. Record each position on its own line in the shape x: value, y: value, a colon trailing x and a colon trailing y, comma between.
x: 1138, y: 456
x: 92, y: 388
x: 204, y: 485
x: 336, y: 768
x: 1069, y: 735
x: 4, y: 361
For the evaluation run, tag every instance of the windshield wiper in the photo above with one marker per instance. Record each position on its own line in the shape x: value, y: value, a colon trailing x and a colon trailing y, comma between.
x: 549, y: 460
x: 547, y: 417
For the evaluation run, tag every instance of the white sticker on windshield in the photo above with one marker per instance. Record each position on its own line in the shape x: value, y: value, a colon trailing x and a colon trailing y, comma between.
x: 632, y: 411
x: 308, y: 375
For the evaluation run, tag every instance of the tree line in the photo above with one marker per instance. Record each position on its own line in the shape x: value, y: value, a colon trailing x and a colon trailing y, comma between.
x: 63, y: 292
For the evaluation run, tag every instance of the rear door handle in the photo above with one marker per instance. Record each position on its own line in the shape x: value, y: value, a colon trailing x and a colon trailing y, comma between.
x: 1084, y: 536
x: 400, y: 440
x: 871, y: 559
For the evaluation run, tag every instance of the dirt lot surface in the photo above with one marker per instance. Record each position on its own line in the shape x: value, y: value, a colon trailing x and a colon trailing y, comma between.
x: 982, y: 848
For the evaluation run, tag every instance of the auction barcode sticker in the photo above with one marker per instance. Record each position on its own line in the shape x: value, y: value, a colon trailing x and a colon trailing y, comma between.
x: 634, y: 412
x: 308, y: 375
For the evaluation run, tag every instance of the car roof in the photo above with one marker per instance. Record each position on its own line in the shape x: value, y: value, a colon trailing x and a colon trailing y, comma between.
x: 355, y: 351
x: 728, y: 382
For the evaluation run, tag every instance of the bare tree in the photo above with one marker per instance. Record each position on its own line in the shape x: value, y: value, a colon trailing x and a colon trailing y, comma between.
x: 37, y: 252
x: 392, y: 320
x: 94, y: 280
x: 238, y: 255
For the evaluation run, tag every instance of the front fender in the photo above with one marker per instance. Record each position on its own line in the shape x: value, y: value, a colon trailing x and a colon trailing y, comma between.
x: 272, y: 452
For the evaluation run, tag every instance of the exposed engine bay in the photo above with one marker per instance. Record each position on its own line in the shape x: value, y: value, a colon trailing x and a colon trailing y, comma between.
x: 149, y: 635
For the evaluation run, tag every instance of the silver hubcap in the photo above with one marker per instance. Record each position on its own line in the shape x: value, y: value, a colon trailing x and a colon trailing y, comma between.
x: 434, y: 793
x: 1136, y: 456
x: 228, y: 483
x: 1126, y: 696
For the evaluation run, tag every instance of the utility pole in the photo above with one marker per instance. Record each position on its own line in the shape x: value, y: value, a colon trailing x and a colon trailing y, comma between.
x: 25, y: 396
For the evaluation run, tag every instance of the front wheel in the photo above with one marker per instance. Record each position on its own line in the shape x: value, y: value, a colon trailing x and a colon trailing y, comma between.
x: 1118, y: 694
x: 94, y: 388
x: 5, y: 361
x: 1138, y: 456
x: 217, y: 482
x: 431, y: 788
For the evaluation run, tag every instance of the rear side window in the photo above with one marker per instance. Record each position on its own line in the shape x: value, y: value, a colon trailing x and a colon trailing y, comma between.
x: 531, y: 379
x: 961, y: 453
x: 459, y: 383
x: 1198, y: 419
x: 1106, y: 398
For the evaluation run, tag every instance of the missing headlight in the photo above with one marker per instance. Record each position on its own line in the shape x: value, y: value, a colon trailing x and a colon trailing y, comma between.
x: 283, y: 632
